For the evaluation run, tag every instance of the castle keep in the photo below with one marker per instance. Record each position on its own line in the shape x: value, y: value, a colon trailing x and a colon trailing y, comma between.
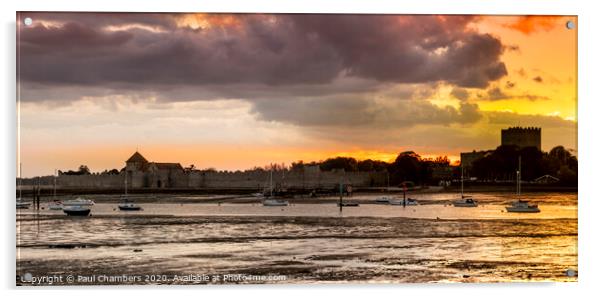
x: 522, y: 137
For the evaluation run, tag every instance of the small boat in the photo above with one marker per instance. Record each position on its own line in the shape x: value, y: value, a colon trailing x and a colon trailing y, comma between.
x: 465, y: 202
x: 55, y: 205
x: 520, y: 205
x: 523, y: 207
x: 409, y: 202
x: 76, y: 210
x: 78, y: 202
x: 383, y: 200
x: 129, y: 206
x: 257, y: 194
x: 348, y: 204
x: 274, y: 202
x: 22, y: 205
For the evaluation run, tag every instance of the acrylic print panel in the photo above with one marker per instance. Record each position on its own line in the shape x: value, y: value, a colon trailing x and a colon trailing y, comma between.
x: 181, y: 148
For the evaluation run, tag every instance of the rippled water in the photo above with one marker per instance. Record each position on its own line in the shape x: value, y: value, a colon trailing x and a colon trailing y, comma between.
x: 308, y: 243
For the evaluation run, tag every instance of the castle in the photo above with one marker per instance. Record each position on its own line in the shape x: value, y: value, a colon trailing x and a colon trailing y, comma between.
x: 139, y: 173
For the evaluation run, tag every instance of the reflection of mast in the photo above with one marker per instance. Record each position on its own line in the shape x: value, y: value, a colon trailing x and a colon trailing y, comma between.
x: 518, y: 174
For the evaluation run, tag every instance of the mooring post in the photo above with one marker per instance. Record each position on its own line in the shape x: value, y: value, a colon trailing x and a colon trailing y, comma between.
x: 340, y: 196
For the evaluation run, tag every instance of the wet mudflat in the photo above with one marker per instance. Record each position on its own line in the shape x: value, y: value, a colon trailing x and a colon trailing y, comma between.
x: 304, y: 243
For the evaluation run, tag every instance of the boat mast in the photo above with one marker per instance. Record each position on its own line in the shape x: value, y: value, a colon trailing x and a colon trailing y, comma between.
x: 462, y: 182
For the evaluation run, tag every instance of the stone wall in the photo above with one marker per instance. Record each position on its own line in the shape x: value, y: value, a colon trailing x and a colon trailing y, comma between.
x: 217, y: 180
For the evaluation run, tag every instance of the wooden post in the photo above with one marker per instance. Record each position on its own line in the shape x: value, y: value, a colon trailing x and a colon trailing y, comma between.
x: 340, y: 196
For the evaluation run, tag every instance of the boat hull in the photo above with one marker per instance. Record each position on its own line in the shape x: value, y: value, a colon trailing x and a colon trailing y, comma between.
x: 82, y: 212
x: 465, y: 205
x: 523, y: 210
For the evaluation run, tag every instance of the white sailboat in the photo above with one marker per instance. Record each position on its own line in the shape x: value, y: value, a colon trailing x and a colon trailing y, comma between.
x: 464, y: 201
x: 56, y: 204
x: 271, y: 201
x: 521, y: 206
x: 127, y: 205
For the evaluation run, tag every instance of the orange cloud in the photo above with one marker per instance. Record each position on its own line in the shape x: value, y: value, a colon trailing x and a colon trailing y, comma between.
x: 530, y: 24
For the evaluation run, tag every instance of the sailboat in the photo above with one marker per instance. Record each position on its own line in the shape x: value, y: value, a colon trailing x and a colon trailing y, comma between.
x: 127, y: 205
x: 56, y: 204
x: 271, y: 201
x: 464, y: 201
x: 519, y: 205
x: 20, y: 203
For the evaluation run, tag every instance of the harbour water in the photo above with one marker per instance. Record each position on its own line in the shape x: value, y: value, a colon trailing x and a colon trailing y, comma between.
x: 183, y: 239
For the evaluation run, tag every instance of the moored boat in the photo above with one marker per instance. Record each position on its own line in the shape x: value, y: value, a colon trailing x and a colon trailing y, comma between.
x: 523, y: 207
x: 383, y: 200
x: 465, y: 202
x: 408, y: 202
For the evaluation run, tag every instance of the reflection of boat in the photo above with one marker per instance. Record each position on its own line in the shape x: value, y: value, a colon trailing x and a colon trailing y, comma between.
x: 274, y: 202
x: 127, y: 205
x: 78, y: 202
x: 408, y: 202
x: 348, y: 204
x: 55, y: 205
x: 76, y: 210
x: 523, y: 207
x: 271, y: 201
x: 520, y: 205
x: 464, y: 201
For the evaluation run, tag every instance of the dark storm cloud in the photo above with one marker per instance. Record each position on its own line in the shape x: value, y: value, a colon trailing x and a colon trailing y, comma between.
x: 364, y: 112
x: 497, y: 93
x: 460, y: 93
x: 263, y: 50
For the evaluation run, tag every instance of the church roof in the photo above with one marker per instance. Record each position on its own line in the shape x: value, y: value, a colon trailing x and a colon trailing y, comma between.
x: 168, y: 166
x: 137, y: 157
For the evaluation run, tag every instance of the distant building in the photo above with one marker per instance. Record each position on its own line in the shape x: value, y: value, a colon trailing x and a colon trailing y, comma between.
x: 522, y: 137
x: 142, y: 173
x: 467, y: 158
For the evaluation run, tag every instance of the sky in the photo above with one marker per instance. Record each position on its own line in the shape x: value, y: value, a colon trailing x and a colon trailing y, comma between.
x: 234, y: 91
